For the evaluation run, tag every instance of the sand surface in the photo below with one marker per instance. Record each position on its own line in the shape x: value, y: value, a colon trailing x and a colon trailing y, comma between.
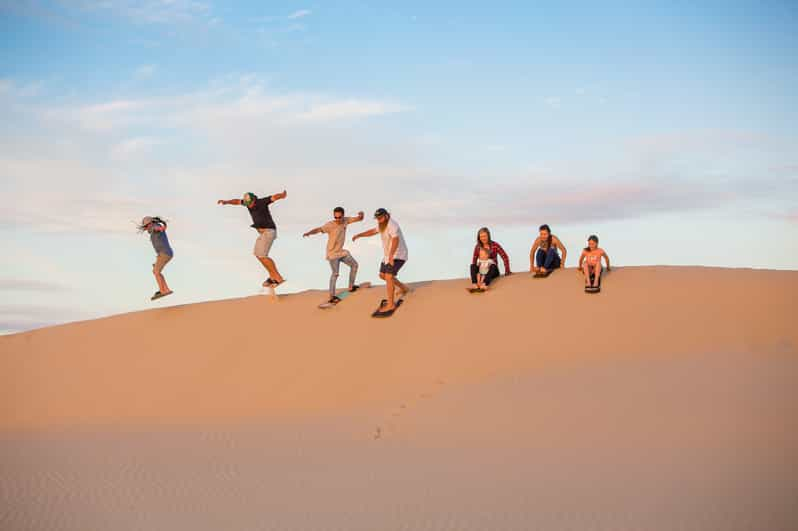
x: 669, y: 401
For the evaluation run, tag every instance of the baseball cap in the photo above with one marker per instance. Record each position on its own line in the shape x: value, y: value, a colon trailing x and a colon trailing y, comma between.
x: 249, y: 198
x: 380, y: 212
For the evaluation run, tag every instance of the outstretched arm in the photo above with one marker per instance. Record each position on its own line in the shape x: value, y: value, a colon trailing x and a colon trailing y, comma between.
x: 281, y: 195
x: 581, y: 260
x: 505, y: 258
x: 228, y: 202
x: 535, y: 246
x: 359, y: 217
x: 564, y: 252
x: 606, y: 259
x: 312, y: 232
x: 365, y: 234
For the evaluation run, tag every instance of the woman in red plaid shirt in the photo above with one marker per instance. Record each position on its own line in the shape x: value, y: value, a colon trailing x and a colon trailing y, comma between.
x: 494, y: 249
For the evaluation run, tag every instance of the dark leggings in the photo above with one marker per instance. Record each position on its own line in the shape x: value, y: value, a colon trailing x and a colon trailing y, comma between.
x: 548, y: 259
x: 493, y: 272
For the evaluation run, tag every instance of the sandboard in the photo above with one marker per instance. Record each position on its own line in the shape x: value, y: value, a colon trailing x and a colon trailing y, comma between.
x: 343, y: 295
x: 544, y: 275
x: 597, y: 288
x: 475, y: 290
x: 378, y: 314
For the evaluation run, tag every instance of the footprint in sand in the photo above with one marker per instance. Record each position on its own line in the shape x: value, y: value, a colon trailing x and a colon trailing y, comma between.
x: 403, y: 408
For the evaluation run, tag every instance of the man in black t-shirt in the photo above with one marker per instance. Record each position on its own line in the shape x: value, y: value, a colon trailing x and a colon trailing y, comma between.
x: 267, y: 231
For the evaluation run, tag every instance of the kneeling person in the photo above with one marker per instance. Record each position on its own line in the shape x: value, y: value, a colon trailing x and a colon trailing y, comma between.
x: 590, y: 262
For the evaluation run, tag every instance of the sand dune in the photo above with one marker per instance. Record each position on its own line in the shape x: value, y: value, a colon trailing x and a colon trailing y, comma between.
x: 668, y: 401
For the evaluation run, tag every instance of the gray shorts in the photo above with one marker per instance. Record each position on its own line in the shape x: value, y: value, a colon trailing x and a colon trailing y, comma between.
x: 263, y: 244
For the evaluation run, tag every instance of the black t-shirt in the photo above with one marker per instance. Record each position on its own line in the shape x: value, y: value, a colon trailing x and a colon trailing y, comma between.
x: 261, y: 217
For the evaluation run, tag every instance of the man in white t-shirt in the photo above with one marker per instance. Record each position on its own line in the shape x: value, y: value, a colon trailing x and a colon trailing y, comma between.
x: 394, y: 251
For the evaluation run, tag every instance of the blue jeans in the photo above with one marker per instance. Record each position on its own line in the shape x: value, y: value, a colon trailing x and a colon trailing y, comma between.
x: 335, y: 265
x: 548, y: 259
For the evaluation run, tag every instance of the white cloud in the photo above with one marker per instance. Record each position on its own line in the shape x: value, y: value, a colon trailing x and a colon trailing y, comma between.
x: 145, y: 71
x: 495, y: 147
x: 244, y: 99
x: 236, y: 135
x: 99, y: 116
x: 300, y: 14
x: 553, y: 101
x: 154, y: 11
x: 133, y: 146
x: 9, y: 87
x: 25, y: 284
x: 349, y: 109
x: 293, y: 28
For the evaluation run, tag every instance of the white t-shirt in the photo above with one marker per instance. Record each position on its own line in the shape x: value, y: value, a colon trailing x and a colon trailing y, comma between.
x: 484, y: 265
x: 393, y: 231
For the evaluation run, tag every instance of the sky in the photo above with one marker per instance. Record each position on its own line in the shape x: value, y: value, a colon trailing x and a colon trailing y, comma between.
x: 670, y: 129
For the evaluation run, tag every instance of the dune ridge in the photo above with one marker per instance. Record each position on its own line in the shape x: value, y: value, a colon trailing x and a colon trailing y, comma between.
x: 668, y: 401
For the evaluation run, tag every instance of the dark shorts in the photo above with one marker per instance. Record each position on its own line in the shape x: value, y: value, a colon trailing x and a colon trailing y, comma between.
x: 392, y: 269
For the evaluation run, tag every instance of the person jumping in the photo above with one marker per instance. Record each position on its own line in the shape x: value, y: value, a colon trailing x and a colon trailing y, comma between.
x: 156, y: 227
x: 267, y: 231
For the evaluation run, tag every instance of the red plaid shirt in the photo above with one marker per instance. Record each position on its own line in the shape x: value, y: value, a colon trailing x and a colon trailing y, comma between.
x: 495, y: 249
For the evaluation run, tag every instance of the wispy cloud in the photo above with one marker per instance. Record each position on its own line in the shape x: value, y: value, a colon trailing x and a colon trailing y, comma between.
x: 245, y: 100
x: 553, y: 101
x: 249, y: 133
x: 133, y: 146
x: 349, y: 109
x: 145, y: 71
x: 154, y: 11
x: 299, y: 14
x: 22, y: 284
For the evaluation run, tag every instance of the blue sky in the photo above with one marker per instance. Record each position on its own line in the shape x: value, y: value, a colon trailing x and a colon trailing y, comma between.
x: 668, y: 129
